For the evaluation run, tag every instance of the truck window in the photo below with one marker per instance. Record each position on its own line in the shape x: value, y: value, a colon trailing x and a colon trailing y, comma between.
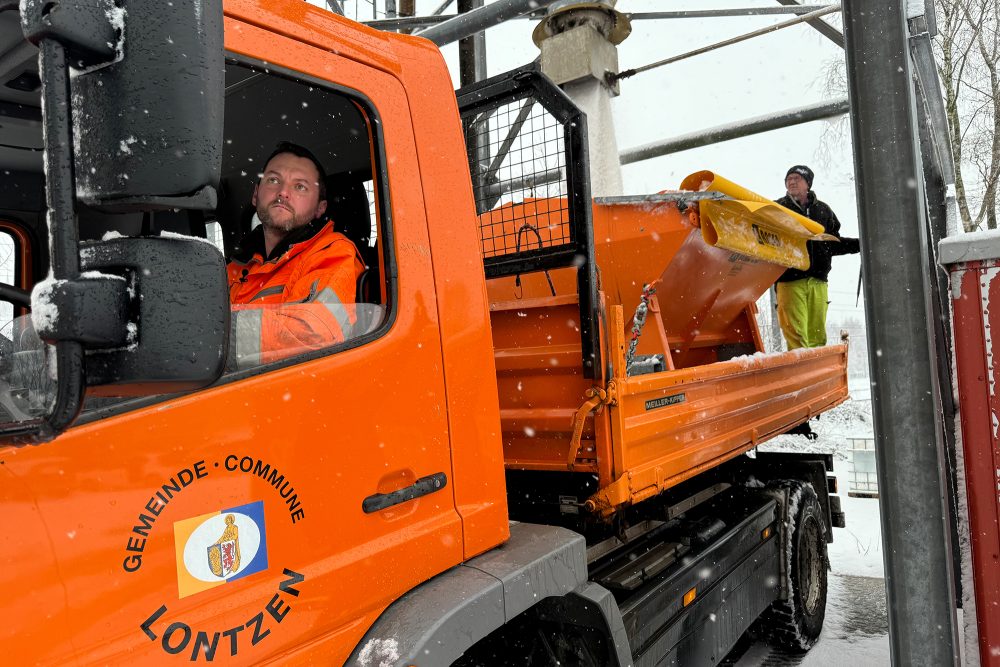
x: 213, y: 232
x: 293, y: 322
x: 318, y: 288
x: 8, y: 273
x: 15, y: 271
x: 25, y: 390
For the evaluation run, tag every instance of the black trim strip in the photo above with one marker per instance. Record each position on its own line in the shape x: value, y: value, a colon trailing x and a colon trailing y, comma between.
x: 422, y: 487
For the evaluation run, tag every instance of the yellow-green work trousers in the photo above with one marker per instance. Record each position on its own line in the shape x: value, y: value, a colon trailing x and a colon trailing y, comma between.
x: 802, y: 312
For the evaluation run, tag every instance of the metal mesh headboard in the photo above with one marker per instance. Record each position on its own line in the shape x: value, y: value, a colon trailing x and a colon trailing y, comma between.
x: 527, y: 150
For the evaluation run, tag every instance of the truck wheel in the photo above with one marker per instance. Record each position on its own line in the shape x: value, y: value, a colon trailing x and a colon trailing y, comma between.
x: 530, y: 641
x: 795, y: 623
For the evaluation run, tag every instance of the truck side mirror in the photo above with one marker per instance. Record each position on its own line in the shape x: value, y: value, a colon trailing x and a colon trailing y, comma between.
x: 146, y: 98
x: 176, y: 316
x: 132, y: 96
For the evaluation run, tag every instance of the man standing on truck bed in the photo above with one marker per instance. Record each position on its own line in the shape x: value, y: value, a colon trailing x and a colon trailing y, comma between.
x: 802, y: 295
x: 292, y: 279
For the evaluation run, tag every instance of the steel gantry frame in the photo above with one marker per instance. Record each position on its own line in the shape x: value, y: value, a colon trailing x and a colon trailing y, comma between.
x: 903, y: 332
x: 903, y: 172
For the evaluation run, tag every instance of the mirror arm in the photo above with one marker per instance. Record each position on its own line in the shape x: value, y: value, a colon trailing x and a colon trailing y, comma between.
x: 15, y: 295
x: 60, y: 182
x: 59, y: 193
x: 83, y: 32
x: 84, y: 29
x: 92, y: 310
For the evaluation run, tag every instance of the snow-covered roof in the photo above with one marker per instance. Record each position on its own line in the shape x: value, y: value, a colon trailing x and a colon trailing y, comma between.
x: 970, y: 247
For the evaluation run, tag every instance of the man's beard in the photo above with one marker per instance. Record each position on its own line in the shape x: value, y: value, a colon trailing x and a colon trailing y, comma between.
x: 264, y: 213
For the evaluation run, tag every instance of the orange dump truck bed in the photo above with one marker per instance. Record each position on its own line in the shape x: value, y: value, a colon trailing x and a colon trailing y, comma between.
x: 703, y: 391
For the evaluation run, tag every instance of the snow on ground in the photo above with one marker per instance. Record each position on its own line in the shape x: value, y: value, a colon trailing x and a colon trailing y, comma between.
x: 857, y: 549
x: 856, y: 631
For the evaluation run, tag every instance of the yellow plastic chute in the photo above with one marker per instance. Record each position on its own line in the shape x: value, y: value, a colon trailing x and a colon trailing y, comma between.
x: 753, y: 225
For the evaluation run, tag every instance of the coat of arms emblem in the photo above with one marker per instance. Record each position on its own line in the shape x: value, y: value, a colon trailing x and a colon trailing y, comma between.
x: 224, y: 554
x: 216, y: 548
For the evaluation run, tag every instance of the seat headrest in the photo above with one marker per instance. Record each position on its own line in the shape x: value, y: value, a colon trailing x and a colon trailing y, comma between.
x: 347, y: 206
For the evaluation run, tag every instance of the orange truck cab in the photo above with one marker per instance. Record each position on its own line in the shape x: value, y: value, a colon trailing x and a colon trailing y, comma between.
x: 354, y: 504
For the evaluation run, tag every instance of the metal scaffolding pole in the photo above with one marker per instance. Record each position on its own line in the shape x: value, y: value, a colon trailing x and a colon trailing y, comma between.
x: 714, y: 135
x: 729, y: 11
x: 939, y: 179
x: 440, y: 10
x: 822, y: 27
x: 624, y: 74
x: 743, y: 128
x: 472, y: 68
x: 417, y: 22
x: 471, y: 49
x: 464, y: 25
x: 906, y: 403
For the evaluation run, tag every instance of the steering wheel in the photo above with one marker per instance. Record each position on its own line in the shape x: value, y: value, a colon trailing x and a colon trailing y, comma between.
x: 15, y: 295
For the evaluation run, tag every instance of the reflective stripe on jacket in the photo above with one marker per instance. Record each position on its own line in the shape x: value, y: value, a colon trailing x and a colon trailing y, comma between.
x: 301, y: 299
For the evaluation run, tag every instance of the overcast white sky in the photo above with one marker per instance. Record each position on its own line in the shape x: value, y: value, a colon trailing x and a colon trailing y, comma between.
x: 771, y: 73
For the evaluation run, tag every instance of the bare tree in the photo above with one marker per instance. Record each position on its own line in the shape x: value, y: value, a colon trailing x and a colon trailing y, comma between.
x: 968, y: 51
x: 833, y: 81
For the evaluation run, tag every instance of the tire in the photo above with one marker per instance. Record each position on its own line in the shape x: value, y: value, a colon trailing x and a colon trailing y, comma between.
x: 796, y: 623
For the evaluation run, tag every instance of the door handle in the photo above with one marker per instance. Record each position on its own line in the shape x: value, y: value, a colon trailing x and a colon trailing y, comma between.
x: 421, y: 487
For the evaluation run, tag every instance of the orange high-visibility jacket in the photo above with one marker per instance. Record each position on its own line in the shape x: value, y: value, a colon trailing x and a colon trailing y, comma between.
x: 299, y: 299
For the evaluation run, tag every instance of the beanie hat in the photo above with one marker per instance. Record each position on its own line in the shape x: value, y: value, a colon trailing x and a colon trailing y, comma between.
x: 803, y: 171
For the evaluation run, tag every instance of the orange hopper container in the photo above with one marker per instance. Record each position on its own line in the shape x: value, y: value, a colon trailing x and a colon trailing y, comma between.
x: 704, y: 390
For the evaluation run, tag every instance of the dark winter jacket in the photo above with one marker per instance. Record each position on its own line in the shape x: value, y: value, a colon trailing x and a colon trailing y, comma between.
x: 820, y: 252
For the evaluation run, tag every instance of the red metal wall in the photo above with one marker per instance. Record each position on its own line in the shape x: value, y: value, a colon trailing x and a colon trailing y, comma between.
x: 976, y: 311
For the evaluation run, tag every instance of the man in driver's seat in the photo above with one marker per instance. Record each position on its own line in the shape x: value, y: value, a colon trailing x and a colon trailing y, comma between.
x: 292, y: 279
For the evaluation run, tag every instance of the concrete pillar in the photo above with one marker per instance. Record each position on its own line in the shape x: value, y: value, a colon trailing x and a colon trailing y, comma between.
x: 579, y: 42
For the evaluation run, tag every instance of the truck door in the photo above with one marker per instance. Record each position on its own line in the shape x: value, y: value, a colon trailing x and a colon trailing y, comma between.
x: 285, y: 507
